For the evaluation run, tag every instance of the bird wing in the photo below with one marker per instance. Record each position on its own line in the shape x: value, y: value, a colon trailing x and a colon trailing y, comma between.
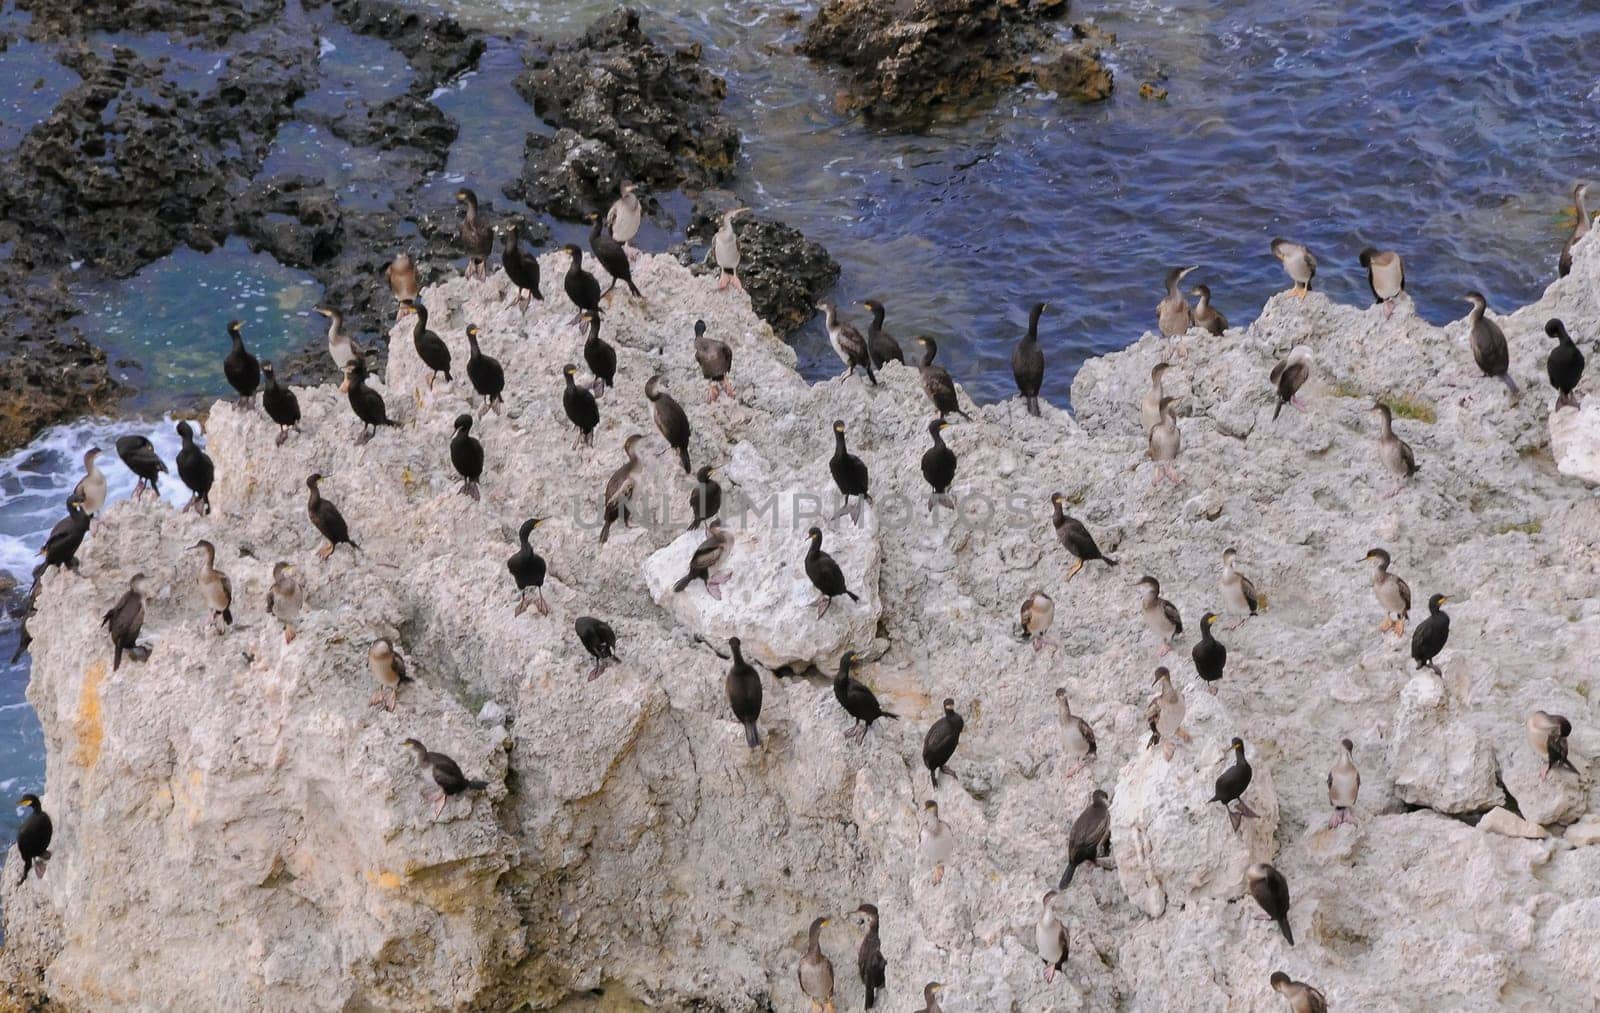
x: 446, y: 772
x: 1249, y: 589
x: 398, y: 663
x: 940, y: 737
x: 1088, y: 734
x: 1171, y: 612
x: 1091, y: 827
x: 1405, y: 592
x: 1277, y: 372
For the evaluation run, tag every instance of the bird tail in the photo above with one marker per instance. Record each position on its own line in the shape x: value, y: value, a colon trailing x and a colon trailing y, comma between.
x: 116, y: 657
x: 752, y: 735
x: 22, y: 645
x: 227, y: 616
x: 477, y: 785
x: 1066, y: 877
x: 1283, y: 925
x: 403, y: 677
x: 358, y: 548
x: 605, y: 531
x: 1033, y: 406
x: 1562, y: 761
x: 1276, y: 409
x: 1155, y: 738
x: 1108, y: 560
x: 852, y: 594
x: 890, y: 715
x: 870, y: 374
x: 633, y: 288
x: 1511, y: 383
x: 683, y: 459
x: 680, y: 585
x: 872, y: 1000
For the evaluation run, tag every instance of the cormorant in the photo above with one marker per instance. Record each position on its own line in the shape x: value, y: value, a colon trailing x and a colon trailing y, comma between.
x: 744, y: 694
x: 1580, y: 228
x: 609, y: 254
x: 847, y: 342
x: 706, y: 556
x: 1231, y: 785
x: 477, y: 237
x: 1239, y: 593
x: 620, y: 487
x: 849, y: 473
x: 139, y: 454
x: 1344, y: 784
x: 404, y: 282
x: 1428, y: 639
x: 485, y: 373
x: 125, y: 620
x: 1037, y: 613
x: 341, y: 347
x: 1288, y: 376
x: 870, y: 962
x: 1173, y: 315
x: 857, y: 700
x: 625, y: 216
x: 1027, y: 361
x: 1210, y: 655
x: 1090, y: 838
x: 1386, y: 276
x: 939, y: 466
x: 387, y: 667
x: 60, y: 547
x: 241, y: 368
x: 1392, y: 592
x: 466, y: 456
x: 528, y: 569
x: 1075, y: 538
x: 936, y: 382
x: 825, y: 574
x: 725, y: 247
x: 1302, y: 998
x: 1165, y: 442
x: 1298, y: 263
x: 1565, y: 364
x: 33, y: 838
x: 1077, y: 735
x: 941, y: 741
x: 1164, y: 714
x: 286, y: 597
x: 1207, y: 316
x: 91, y: 488
x: 1271, y: 891
x: 600, y: 640
x: 1395, y: 452
x: 816, y: 971
x: 446, y: 774
x: 580, y: 406
x: 582, y: 287
x: 881, y: 345
x: 600, y: 357
x: 521, y: 268
x: 930, y: 998
x: 936, y: 841
x: 215, y: 587
x: 280, y: 402
x: 326, y: 518
x: 1150, y: 407
x: 1489, y: 349
x: 671, y: 421
x: 196, y: 471
x: 1050, y: 935
x: 367, y: 403
x: 1159, y: 614
x: 705, y: 499
x: 715, y: 359
x: 1548, y: 734
x: 431, y: 348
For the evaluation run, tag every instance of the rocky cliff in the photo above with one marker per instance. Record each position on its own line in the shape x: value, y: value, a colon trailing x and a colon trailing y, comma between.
x: 238, y: 829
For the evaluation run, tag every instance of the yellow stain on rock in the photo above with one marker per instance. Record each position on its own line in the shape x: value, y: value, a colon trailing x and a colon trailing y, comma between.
x: 384, y: 879
x: 87, y: 724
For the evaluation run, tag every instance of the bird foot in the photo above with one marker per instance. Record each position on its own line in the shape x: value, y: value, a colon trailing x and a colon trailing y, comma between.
x: 375, y: 699
x: 938, y: 873
x: 722, y: 283
x: 542, y: 605
x: 1388, y: 309
x: 594, y: 673
x: 1168, y: 749
x: 822, y: 606
x: 288, y: 634
x: 714, y: 587
x: 1183, y: 734
x: 324, y: 552
x: 1073, y: 771
x: 1164, y: 650
x: 522, y: 606
x: 1211, y: 688
x: 727, y: 388
x: 712, y: 396
x: 1049, y: 975
x: 283, y: 435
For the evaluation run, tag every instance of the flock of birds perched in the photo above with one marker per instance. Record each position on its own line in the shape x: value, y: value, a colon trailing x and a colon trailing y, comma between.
x: 609, y: 239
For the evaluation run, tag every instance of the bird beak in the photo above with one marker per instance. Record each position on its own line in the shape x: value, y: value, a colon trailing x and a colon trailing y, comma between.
x: 1444, y: 599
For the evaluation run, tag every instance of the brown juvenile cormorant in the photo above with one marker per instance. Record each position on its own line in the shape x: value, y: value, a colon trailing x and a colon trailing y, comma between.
x: 881, y: 345
x: 625, y: 216
x: 580, y: 406
x: 1075, y: 538
x: 1302, y: 998
x: 1548, y: 734
x: 600, y: 357
x: 125, y: 620
x: 706, y: 556
x: 196, y: 471
x: 609, y: 254
x: 715, y: 359
x: 847, y: 342
x: 670, y: 419
x: 936, y: 382
x: 139, y: 454
x: 1392, y: 592
x: 600, y: 640
x: 1160, y: 615
x: 939, y: 466
x: 477, y: 236
x: 61, y: 545
x: 466, y: 455
x: 446, y: 774
x: 528, y: 569
x: 1386, y: 276
x: 280, y: 402
x: 1037, y: 613
x: 1344, y: 784
x: 1580, y: 228
x: 33, y: 838
x: 521, y: 268
x: 341, y: 347
x: 1239, y: 593
x: 1077, y: 735
x: 404, y: 282
x: 326, y: 518
x: 849, y: 474
x: 1395, y: 452
x: 91, y: 488
x: 582, y: 287
x: 941, y: 741
x: 1231, y: 785
x: 725, y: 247
x: 1565, y: 364
x: 1489, y: 349
x: 1164, y: 714
x: 387, y: 667
x: 1210, y: 656
x: 1050, y: 936
x: 744, y: 694
x: 1271, y: 891
x: 1090, y: 838
x: 870, y: 962
x: 857, y: 700
x: 1150, y: 405
x: 825, y: 574
x: 241, y: 368
x: 1298, y: 263
x: 487, y: 376
x: 937, y: 842
x: 930, y: 998
x: 1207, y: 316
x: 215, y: 587
x: 1027, y: 361
x: 367, y: 403
x: 431, y: 348
x: 286, y: 597
x: 620, y: 488
x: 1428, y: 639
x: 705, y: 499
x: 1288, y: 376
x: 1165, y: 443
x: 1173, y: 315
x: 816, y: 971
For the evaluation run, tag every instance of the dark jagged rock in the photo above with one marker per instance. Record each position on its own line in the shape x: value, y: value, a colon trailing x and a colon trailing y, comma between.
x: 407, y: 121
x: 625, y: 108
x: 48, y: 372
x: 784, y: 272
x: 213, y: 21
x: 907, y: 63
x: 435, y: 45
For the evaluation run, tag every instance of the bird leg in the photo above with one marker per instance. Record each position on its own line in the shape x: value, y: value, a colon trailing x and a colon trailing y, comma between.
x: 443, y: 798
x: 376, y: 698
x: 1172, y: 474
x: 1183, y: 734
x: 1237, y: 623
x: 1164, y: 649
x: 1168, y: 748
x: 326, y: 551
x: 740, y: 286
x: 822, y: 605
x: 522, y: 602
x: 714, y: 586
x: 938, y: 873
x: 1386, y: 625
x: 722, y: 282
x: 1211, y: 688
x: 1544, y: 772
x: 543, y: 606
x: 1049, y: 974
x: 1388, y: 308
x: 1245, y: 811
x: 727, y: 387
x: 1400, y: 627
x: 715, y: 390
x: 283, y: 435
x: 1075, y: 568
x: 1074, y: 770
x: 1295, y: 401
x: 394, y: 698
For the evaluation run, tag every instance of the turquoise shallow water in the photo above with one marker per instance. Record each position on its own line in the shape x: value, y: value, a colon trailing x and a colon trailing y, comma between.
x: 1452, y: 131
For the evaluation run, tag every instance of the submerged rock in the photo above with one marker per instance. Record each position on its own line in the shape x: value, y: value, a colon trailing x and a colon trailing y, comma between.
x: 624, y: 109
x: 233, y: 817
x: 907, y: 63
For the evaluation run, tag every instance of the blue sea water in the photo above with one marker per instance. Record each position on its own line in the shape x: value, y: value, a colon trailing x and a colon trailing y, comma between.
x: 1452, y: 131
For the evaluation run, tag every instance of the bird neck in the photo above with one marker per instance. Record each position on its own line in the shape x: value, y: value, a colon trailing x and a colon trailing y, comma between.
x: 877, y: 317
x: 1033, y: 324
x: 838, y: 443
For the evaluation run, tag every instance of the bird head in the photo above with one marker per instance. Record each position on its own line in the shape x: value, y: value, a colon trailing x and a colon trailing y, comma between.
x: 463, y: 423
x: 266, y: 366
x: 1278, y: 980
x: 29, y: 802
x: 312, y: 480
x: 281, y: 568
x: 572, y: 251
x: 838, y: 426
x: 628, y: 188
x: 466, y: 196
x: 652, y: 387
x: 1476, y: 299
x: 1148, y: 584
x: 415, y: 747
x: 931, y: 806
x: 1348, y: 745
x: 699, y: 328
x: 233, y: 327
x: 815, y: 534
x: 1379, y: 554
x: 569, y: 370
x: 1209, y: 619
x: 1235, y: 746
x: 407, y: 306
x: 1162, y: 675
x: 1555, y: 328
x: 472, y: 331
x: 703, y: 473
